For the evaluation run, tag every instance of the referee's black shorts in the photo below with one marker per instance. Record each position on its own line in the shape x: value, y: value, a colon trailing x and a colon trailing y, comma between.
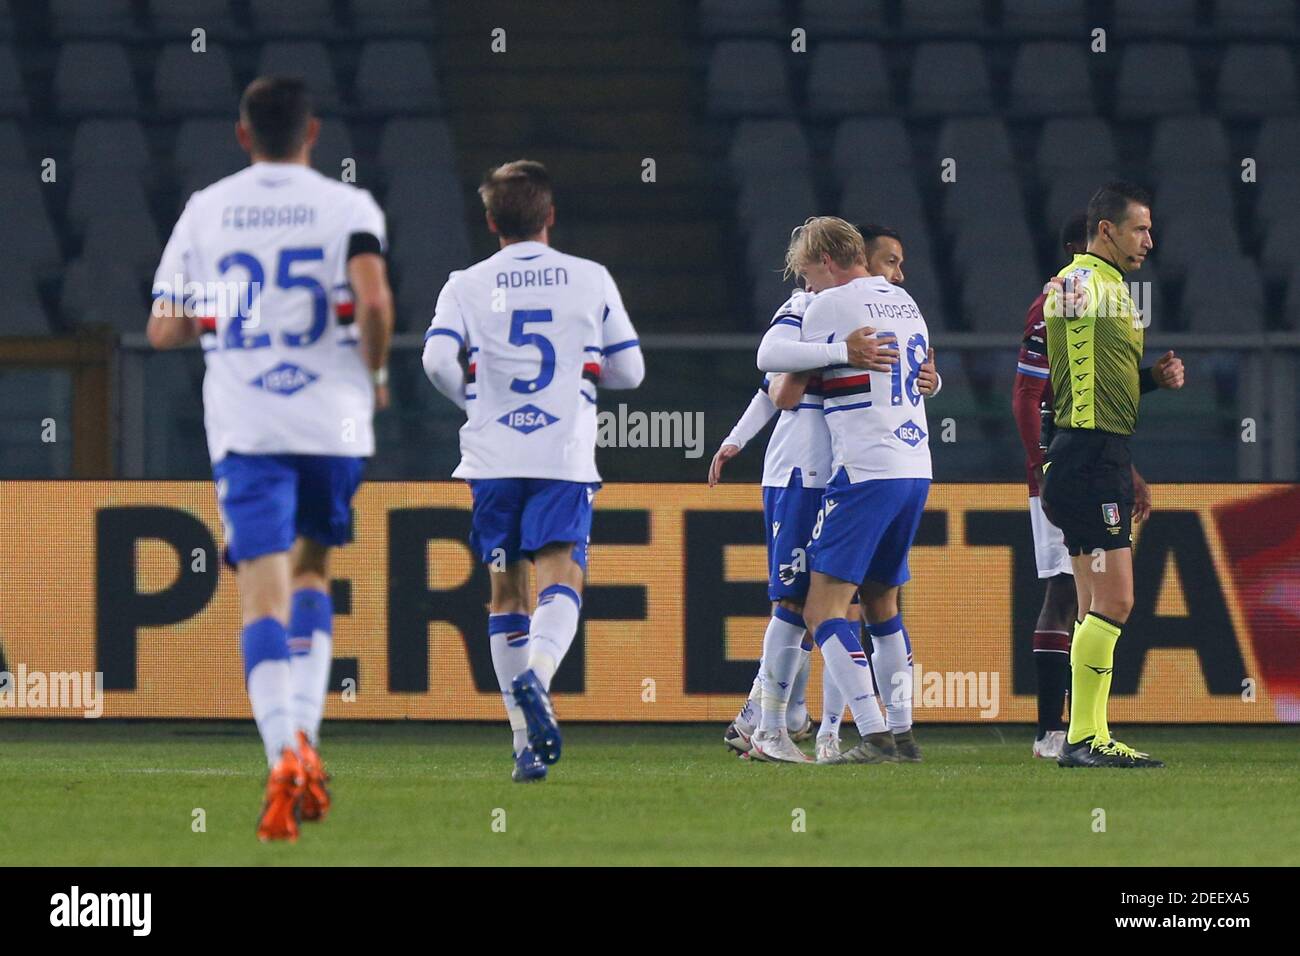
x: 1087, y: 489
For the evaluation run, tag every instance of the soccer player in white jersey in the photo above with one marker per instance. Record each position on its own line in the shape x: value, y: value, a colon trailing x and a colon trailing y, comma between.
x: 279, y: 273
x: 541, y: 330
x: 813, y: 251
x: 796, y: 468
x: 880, y: 480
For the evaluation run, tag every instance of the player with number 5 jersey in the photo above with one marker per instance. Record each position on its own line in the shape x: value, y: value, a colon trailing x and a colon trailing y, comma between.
x: 540, y: 331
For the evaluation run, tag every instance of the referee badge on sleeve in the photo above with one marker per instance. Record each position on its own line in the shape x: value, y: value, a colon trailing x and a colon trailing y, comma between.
x: 1110, y: 515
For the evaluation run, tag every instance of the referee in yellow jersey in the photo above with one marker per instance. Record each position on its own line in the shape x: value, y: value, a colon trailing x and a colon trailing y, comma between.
x: 1094, y: 347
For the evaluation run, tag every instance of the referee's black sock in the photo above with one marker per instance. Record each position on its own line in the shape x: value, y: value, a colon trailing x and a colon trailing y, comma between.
x: 1052, y: 661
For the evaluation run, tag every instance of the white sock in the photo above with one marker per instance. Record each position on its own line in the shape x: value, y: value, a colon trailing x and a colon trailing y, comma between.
x: 797, y: 711
x: 555, y: 622
x: 752, y: 711
x: 892, y: 661
x: 311, y: 652
x: 843, y: 655
x: 832, y: 706
x: 269, y: 690
x: 508, y: 640
x: 782, y: 655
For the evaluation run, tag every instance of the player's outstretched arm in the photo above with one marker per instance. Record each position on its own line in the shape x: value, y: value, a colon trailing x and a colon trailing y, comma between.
x: 368, y: 276
x: 755, y: 418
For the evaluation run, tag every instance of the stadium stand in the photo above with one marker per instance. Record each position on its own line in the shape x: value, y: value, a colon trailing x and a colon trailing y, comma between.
x: 749, y: 137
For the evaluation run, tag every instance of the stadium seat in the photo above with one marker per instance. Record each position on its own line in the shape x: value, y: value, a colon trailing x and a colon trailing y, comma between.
x: 92, y: 19
x: 208, y: 143
x: 864, y: 143
x: 956, y: 18
x: 1257, y: 80
x: 980, y: 193
x: 302, y: 18
x: 1279, y: 252
x: 1166, y: 19
x: 1227, y: 296
x: 1050, y: 79
x: 766, y: 242
x: 393, y: 18
x: 24, y: 313
x: 748, y: 78
x: 6, y: 20
x: 848, y: 78
x: 104, y: 191
x: 177, y: 19
x: 975, y: 142
x: 94, y: 78
x: 118, y: 143
x: 396, y: 77
x: 734, y: 18
x: 1188, y: 142
x: 187, y: 83
x: 424, y: 198
x: 99, y: 293
x: 22, y: 209
x: 1271, y: 19
x: 130, y: 241
x: 13, y: 148
x: 1033, y: 18
x: 13, y: 96
x: 1180, y: 244
x: 1155, y: 79
x: 416, y: 142
x: 995, y: 300
x: 332, y: 148
x: 1193, y: 192
x: 1278, y: 144
x: 949, y: 78
x: 885, y: 195
x: 1074, y: 143
x: 1069, y: 194
x: 842, y: 18
x: 1291, y: 307
x: 1279, y: 197
x: 306, y: 59
x: 767, y: 145
x: 785, y: 194
x: 1002, y: 239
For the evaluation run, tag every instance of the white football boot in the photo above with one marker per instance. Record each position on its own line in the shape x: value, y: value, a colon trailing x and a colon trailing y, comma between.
x: 805, y: 732
x: 737, y: 739
x: 776, y: 748
x: 1050, y: 746
x: 828, y: 751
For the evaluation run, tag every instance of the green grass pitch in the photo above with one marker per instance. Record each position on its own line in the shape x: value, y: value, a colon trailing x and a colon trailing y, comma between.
x: 100, y: 793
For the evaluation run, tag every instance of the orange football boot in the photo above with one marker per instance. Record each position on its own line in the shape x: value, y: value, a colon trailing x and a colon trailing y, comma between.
x: 282, y: 807
x: 316, y: 795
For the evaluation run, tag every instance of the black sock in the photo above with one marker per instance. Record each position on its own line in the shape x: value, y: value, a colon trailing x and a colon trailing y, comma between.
x: 1053, y: 681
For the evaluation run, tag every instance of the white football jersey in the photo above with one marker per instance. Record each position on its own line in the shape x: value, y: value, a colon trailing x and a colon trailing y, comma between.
x: 876, y: 419
x: 800, y: 439
x: 536, y: 324
x: 261, y: 257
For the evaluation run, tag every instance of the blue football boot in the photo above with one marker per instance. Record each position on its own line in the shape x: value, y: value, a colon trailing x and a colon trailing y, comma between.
x: 535, y: 702
x: 528, y: 767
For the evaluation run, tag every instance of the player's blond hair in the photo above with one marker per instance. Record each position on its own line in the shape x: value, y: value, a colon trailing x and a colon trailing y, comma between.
x: 824, y: 236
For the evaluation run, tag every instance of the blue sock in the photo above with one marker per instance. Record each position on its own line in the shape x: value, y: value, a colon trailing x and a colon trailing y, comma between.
x: 265, y: 645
